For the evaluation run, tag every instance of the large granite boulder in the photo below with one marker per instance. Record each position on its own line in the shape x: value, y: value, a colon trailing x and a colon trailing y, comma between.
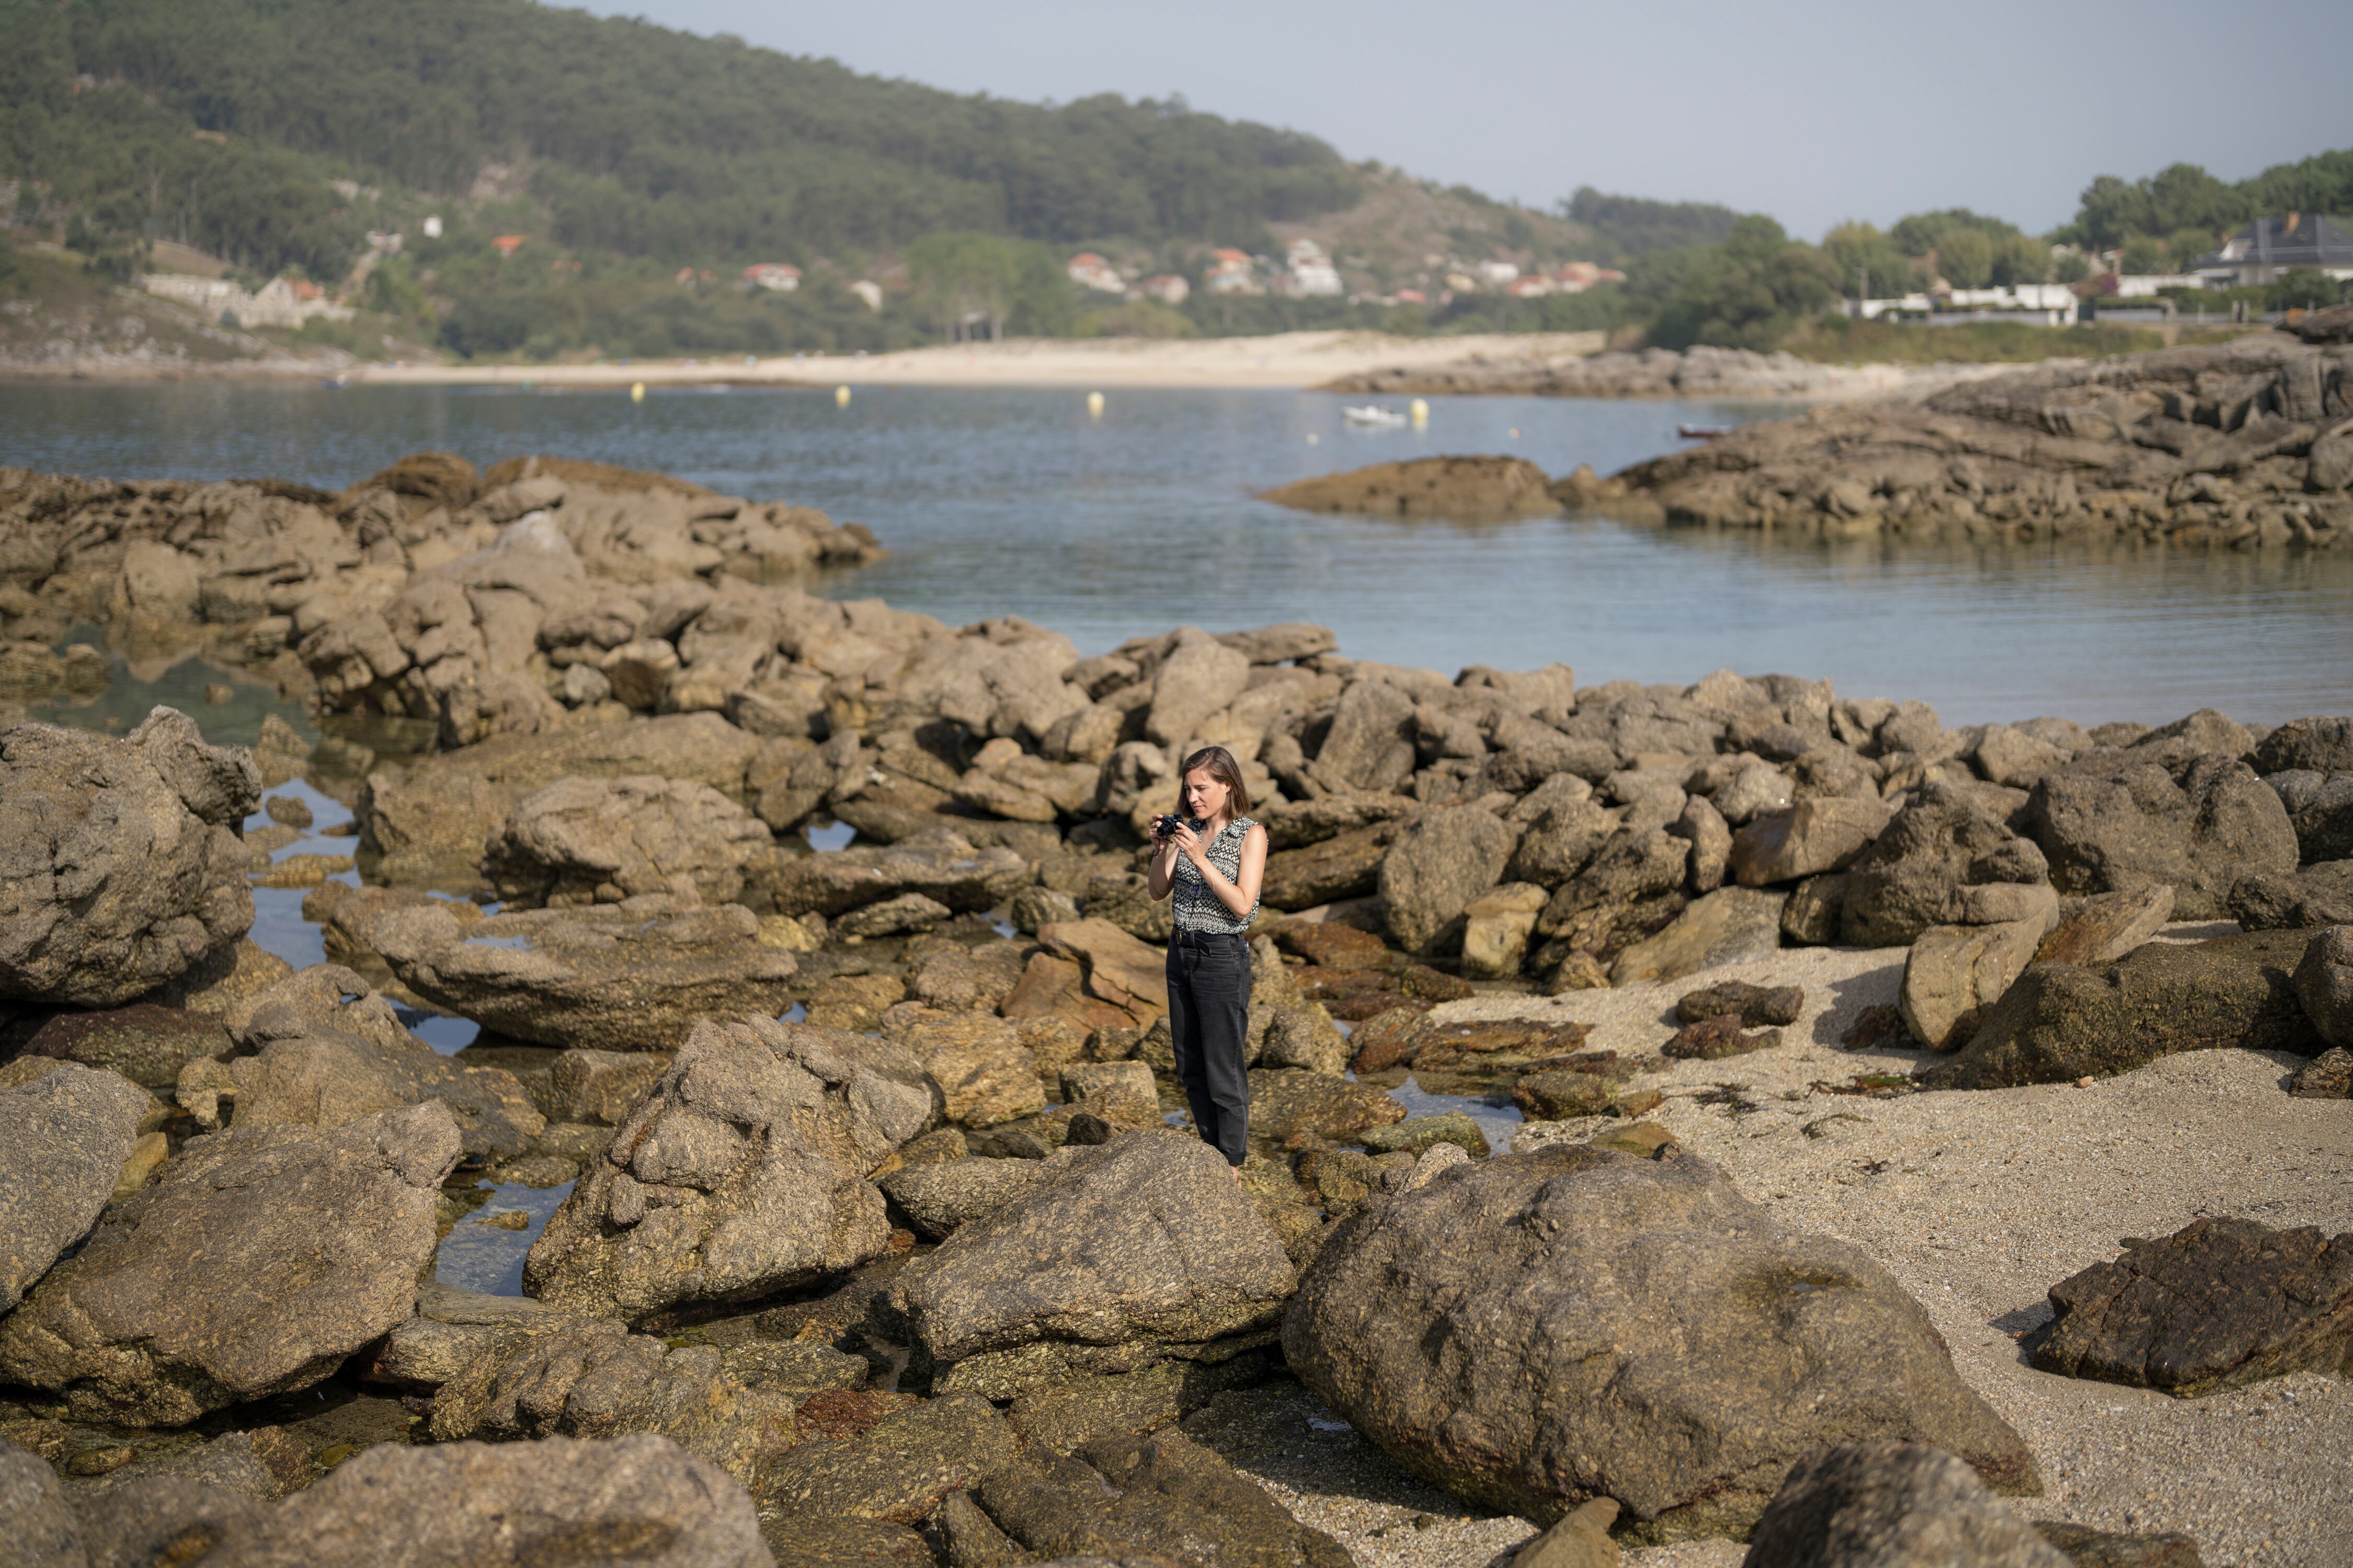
x: 854, y: 1470
x: 2059, y: 1023
x: 42, y: 1530
x: 1118, y: 1256
x: 146, y: 1042
x: 328, y: 1050
x: 2324, y: 983
x: 63, y: 1140
x: 585, y: 841
x: 581, y: 1377
x: 635, y: 975
x: 1942, y: 861
x: 1441, y: 862
x: 428, y: 824
x: 2319, y: 744
x: 448, y: 1505
x: 1813, y: 837
x: 120, y: 866
x: 1161, y: 1498
x: 1371, y: 746
x: 1631, y: 888
x: 2320, y: 809
x: 252, y: 1267
x: 1892, y: 1505
x: 1954, y: 973
x: 985, y: 1074
x: 2310, y: 896
x: 1543, y: 1329
x: 1343, y: 866
x: 2118, y: 822
x: 937, y: 863
x: 742, y: 1172
x: 2218, y: 1304
x: 939, y: 1198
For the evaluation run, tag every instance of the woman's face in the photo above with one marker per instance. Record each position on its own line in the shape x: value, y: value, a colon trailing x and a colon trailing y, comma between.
x: 1205, y: 796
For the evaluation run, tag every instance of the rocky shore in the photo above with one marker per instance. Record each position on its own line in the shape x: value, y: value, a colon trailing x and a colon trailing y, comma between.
x: 1619, y: 1055
x: 1696, y: 372
x: 2246, y: 445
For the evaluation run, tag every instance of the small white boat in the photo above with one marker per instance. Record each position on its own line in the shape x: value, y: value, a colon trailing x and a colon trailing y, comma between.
x: 1373, y: 415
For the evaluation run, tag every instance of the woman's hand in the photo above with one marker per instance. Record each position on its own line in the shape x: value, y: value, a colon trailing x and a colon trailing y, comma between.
x: 1188, y: 843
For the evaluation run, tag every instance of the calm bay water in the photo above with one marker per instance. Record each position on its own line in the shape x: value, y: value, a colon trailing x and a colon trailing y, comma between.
x: 998, y: 501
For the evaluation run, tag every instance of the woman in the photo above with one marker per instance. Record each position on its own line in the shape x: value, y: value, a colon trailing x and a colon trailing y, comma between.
x: 1213, y: 870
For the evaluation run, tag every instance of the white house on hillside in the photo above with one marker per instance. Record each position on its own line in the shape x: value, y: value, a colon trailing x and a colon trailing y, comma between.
x: 1089, y: 270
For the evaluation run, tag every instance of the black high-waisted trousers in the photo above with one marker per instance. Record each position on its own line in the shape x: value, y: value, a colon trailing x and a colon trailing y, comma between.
x: 1208, y: 1014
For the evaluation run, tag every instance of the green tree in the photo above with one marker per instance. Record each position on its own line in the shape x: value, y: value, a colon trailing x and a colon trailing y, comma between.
x: 1747, y: 293
x: 2142, y: 256
x: 1860, y: 251
x: 1965, y: 258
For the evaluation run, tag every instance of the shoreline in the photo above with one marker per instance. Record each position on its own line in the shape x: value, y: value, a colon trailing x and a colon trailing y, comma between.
x: 1356, y: 363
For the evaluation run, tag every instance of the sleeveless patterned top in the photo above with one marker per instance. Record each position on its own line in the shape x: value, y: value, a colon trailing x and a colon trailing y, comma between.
x: 1196, y: 909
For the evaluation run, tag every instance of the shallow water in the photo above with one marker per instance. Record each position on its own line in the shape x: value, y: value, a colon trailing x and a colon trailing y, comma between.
x: 1009, y: 501
x: 487, y: 1258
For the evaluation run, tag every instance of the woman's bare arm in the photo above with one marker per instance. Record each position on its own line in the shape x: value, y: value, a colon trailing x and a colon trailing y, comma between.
x: 1160, y: 878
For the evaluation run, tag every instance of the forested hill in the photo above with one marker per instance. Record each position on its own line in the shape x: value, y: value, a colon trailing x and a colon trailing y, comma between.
x: 215, y: 122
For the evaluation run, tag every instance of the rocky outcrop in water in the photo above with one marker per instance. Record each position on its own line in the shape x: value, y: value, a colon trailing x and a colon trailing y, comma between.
x: 1700, y: 371
x: 2244, y: 445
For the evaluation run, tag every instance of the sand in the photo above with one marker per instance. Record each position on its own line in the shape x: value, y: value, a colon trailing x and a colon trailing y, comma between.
x: 1283, y: 360
x: 1978, y: 1202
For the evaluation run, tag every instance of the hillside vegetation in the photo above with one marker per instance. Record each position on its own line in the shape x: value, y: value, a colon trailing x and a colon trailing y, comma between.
x: 633, y: 172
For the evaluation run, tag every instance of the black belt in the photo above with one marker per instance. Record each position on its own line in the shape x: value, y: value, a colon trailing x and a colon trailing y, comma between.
x: 1180, y: 936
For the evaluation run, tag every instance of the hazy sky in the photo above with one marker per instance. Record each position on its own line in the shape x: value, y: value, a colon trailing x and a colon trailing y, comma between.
x: 1814, y: 113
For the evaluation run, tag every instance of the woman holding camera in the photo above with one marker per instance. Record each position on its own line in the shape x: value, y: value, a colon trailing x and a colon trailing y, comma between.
x: 1211, y: 859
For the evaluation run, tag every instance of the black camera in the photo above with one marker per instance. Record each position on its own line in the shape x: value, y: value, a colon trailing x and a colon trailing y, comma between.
x: 1165, y: 827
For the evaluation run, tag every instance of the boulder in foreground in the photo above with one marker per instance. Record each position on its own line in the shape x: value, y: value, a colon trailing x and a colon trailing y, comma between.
x: 2218, y: 1303
x: 1892, y: 1505
x: 1116, y: 1256
x: 1465, y: 489
x: 634, y: 975
x: 638, y: 1500
x: 741, y: 1171
x: 253, y: 1267
x: 1545, y: 1329
x: 2059, y: 1023
x: 63, y: 1139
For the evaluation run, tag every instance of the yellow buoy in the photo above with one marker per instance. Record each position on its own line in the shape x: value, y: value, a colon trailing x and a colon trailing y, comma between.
x: 637, y: 392
x: 841, y: 397
x: 1420, y: 411
x: 1094, y: 405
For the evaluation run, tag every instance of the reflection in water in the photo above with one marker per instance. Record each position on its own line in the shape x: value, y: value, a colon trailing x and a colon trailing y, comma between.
x: 1008, y: 501
x: 1498, y: 1124
x: 475, y: 1256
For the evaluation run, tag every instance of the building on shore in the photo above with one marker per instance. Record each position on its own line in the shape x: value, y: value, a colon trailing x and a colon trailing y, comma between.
x: 1167, y: 287
x: 2269, y: 248
x: 778, y: 276
x: 1309, y: 272
x: 1091, y: 271
x: 1232, y: 272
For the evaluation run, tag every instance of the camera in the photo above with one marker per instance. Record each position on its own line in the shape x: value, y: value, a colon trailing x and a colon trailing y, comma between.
x: 1164, y: 826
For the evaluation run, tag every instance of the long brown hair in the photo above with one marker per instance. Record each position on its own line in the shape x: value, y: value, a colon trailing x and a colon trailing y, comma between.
x: 1219, y: 765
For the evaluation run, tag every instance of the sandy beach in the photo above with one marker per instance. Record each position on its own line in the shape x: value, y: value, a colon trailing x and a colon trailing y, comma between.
x: 1284, y: 360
